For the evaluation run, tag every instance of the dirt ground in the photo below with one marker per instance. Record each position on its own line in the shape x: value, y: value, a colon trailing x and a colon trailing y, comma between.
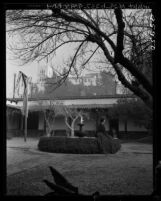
x: 128, y: 172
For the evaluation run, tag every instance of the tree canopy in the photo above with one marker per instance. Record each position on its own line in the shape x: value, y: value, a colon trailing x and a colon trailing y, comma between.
x: 133, y: 109
x: 121, y: 38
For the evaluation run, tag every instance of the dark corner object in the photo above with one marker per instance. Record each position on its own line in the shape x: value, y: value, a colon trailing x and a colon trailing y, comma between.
x: 63, y: 187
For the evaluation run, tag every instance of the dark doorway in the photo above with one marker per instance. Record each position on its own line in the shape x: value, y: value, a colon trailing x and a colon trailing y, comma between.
x: 113, y: 125
x: 32, y: 121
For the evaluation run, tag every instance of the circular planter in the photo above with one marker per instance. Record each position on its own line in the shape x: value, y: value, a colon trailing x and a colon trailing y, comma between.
x: 76, y: 145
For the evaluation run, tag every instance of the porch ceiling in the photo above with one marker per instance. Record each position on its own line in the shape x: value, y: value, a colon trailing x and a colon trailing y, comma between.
x: 91, y: 106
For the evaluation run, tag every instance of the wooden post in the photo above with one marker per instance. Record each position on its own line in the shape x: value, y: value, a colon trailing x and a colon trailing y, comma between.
x: 125, y: 126
x: 96, y: 119
x: 25, y: 104
x: 25, y: 128
x: 14, y: 83
x: 21, y: 124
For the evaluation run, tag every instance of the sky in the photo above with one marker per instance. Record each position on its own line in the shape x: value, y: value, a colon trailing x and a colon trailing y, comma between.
x: 31, y: 69
x: 11, y: 68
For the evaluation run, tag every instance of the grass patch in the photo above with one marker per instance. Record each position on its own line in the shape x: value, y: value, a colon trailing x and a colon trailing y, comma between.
x: 119, y: 174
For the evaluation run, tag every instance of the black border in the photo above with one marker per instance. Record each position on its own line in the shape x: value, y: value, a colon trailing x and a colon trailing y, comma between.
x: 91, y: 5
x: 3, y: 101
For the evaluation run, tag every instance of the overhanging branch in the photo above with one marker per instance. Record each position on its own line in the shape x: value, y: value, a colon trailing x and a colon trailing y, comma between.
x: 139, y: 92
x: 136, y: 73
x: 85, y: 22
x: 120, y: 34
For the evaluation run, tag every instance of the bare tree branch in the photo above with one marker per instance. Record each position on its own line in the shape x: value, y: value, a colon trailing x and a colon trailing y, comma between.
x: 87, y: 23
x: 120, y: 34
x: 124, y: 41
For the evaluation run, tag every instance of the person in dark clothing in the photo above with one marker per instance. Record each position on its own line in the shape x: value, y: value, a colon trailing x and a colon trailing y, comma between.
x: 101, y: 127
x: 104, y: 140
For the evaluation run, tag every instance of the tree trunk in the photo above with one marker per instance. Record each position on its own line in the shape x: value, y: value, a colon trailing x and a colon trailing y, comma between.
x: 146, y: 97
x: 48, y: 130
x: 69, y: 126
x: 72, y: 132
x: 72, y: 125
x: 72, y: 128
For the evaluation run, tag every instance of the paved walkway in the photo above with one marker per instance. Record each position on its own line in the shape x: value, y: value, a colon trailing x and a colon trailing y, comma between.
x: 22, y: 155
x: 137, y: 148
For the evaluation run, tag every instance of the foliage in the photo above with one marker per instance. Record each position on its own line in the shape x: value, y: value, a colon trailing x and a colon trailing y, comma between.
x: 133, y: 109
x: 68, y: 145
x: 74, y: 145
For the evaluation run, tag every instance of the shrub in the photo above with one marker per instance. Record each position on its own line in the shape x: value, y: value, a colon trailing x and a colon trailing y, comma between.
x: 80, y: 134
x: 76, y: 145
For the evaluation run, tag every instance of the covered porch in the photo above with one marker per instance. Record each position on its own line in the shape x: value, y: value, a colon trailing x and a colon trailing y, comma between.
x: 95, y: 107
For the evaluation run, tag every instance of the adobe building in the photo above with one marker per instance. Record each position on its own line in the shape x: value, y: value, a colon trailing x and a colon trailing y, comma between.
x: 96, y: 106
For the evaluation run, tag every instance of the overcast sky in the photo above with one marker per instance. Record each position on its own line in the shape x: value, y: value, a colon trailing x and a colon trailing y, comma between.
x: 31, y: 69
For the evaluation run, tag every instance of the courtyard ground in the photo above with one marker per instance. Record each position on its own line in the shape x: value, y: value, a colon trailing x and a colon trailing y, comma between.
x: 129, y: 171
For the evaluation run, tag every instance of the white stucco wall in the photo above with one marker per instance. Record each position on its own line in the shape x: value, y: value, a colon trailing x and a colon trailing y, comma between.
x: 89, y: 125
x: 59, y: 124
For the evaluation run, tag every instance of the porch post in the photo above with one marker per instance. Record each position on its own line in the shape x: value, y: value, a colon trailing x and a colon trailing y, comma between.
x: 25, y: 129
x: 21, y: 124
x: 125, y: 126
